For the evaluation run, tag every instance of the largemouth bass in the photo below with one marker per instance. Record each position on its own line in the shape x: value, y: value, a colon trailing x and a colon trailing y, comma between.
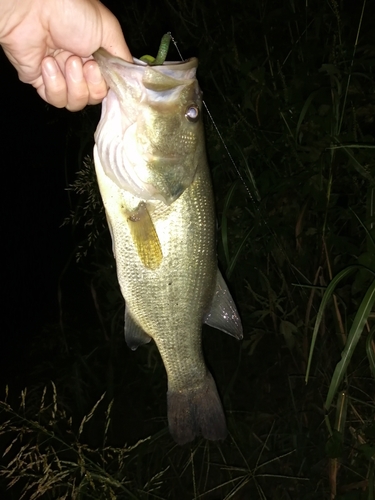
x: 153, y: 177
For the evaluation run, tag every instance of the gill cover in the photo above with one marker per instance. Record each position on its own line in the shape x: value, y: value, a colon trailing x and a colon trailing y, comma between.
x: 147, y: 137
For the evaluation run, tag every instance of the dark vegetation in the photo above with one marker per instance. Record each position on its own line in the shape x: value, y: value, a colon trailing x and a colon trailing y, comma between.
x: 290, y: 87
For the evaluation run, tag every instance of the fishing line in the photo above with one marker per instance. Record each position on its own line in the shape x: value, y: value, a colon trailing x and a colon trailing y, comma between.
x: 217, y: 130
x: 175, y: 44
x: 256, y: 204
x: 229, y: 154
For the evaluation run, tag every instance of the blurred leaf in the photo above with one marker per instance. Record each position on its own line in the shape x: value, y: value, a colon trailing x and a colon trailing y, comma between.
x: 370, y: 349
x: 368, y: 451
x: 288, y: 330
x: 356, y: 330
x: 334, y: 445
x: 326, y: 297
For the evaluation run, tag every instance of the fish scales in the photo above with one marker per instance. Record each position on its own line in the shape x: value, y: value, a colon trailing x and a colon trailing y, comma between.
x: 162, y: 224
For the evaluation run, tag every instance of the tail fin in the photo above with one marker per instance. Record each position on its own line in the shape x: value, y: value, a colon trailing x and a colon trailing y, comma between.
x: 196, y: 411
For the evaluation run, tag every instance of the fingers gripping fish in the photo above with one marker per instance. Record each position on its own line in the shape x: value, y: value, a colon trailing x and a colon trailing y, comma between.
x: 154, y: 181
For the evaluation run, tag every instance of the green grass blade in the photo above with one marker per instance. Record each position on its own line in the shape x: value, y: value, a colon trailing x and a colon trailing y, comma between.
x: 370, y: 349
x: 354, y: 335
x: 327, y: 295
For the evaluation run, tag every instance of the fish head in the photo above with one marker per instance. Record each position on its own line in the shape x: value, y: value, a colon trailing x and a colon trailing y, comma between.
x: 149, y: 138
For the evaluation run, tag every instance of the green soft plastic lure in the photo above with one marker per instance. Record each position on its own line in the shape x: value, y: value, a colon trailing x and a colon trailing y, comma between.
x: 162, y: 53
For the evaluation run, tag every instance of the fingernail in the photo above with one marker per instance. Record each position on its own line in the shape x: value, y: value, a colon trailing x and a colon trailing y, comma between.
x: 50, y: 67
x: 76, y: 71
x: 94, y: 75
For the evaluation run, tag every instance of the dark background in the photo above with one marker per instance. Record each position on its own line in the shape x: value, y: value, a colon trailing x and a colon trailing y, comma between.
x: 33, y: 206
x: 284, y: 81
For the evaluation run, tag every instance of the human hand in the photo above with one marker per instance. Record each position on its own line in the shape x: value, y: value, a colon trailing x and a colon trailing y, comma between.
x: 50, y: 44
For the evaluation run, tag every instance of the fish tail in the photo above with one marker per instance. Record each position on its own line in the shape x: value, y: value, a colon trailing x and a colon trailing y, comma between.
x: 196, y: 411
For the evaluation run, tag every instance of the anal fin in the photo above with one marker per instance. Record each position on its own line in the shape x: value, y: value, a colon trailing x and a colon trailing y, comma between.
x: 134, y: 334
x: 223, y: 313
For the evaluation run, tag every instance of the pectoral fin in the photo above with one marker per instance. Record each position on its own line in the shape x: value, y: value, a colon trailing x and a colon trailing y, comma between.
x: 145, y: 237
x: 134, y: 335
x: 223, y: 314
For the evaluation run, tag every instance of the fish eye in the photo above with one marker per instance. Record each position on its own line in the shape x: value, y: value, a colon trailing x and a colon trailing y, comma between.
x: 192, y: 113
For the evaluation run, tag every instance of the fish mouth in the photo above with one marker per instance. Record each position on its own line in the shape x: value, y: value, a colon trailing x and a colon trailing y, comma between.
x: 167, y: 76
x: 104, y: 58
